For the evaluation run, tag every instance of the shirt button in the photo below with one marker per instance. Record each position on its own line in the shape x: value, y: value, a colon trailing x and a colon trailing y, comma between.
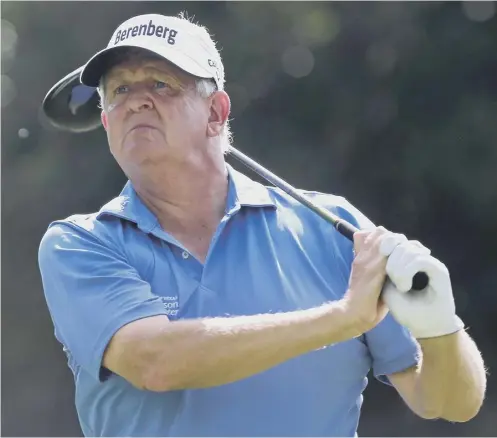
x: 185, y: 255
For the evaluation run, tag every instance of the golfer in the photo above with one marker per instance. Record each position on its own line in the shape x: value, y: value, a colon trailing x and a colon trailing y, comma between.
x: 199, y: 302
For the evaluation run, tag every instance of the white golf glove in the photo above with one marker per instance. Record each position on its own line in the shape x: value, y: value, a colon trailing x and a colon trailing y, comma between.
x: 428, y: 313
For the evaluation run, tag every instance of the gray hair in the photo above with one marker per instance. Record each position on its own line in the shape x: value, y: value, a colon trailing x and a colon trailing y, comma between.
x: 205, y: 88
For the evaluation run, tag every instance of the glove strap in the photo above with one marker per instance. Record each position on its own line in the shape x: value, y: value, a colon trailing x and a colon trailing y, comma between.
x: 453, y: 326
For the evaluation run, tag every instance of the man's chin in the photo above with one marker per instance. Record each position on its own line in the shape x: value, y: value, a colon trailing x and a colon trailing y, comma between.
x: 140, y: 150
x: 141, y: 141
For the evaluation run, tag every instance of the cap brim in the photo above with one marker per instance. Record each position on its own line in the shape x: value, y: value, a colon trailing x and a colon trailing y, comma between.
x: 96, y: 67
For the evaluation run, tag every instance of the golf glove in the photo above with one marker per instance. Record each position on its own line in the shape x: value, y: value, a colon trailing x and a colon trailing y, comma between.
x: 427, y: 313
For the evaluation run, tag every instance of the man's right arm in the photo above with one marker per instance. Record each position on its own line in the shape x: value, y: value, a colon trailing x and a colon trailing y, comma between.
x: 85, y: 279
x: 159, y: 355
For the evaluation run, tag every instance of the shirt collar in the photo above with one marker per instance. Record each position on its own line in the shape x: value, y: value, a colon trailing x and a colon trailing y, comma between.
x: 129, y: 206
x: 246, y: 192
x: 242, y: 191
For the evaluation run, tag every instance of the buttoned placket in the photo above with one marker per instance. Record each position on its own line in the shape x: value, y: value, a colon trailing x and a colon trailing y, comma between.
x: 189, y: 263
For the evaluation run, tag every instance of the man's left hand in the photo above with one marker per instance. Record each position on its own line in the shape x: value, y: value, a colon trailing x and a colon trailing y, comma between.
x: 427, y: 313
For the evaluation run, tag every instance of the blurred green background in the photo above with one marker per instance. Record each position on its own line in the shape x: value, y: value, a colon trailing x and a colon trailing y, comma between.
x: 390, y: 104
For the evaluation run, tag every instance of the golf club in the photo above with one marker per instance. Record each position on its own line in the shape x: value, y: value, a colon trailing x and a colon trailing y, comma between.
x: 73, y: 107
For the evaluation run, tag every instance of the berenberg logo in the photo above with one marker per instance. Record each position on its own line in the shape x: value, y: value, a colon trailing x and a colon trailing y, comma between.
x: 149, y: 30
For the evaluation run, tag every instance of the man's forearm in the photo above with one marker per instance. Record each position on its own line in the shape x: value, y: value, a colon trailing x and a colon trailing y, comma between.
x: 211, y: 352
x: 451, y: 380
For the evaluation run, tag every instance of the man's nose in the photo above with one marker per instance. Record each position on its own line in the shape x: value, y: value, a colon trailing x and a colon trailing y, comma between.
x: 139, y: 100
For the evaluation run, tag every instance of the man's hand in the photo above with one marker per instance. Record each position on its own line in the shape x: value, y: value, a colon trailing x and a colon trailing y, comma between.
x: 381, y: 280
x: 362, y: 300
x: 428, y: 313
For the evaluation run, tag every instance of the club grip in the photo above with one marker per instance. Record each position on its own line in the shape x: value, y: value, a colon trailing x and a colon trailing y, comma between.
x: 419, y: 281
x: 346, y: 229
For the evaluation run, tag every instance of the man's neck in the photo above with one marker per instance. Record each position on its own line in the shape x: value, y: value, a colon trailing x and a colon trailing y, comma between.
x: 186, y: 201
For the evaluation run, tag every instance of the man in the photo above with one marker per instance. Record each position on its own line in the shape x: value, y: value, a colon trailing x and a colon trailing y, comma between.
x: 201, y: 303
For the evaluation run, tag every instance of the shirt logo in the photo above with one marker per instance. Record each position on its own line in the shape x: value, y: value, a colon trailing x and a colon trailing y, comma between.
x: 171, y: 304
x: 149, y: 30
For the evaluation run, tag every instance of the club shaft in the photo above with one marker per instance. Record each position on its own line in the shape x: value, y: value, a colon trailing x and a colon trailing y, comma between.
x: 342, y: 226
x: 420, y: 280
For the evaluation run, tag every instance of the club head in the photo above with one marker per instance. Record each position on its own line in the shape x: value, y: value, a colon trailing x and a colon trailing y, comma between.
x: 72, y: 106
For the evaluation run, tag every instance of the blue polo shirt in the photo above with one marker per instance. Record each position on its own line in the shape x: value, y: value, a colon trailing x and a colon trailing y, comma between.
x: 269, y: 254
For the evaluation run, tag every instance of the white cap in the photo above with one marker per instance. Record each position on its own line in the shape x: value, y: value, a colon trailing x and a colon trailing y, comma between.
x: 176, y: 39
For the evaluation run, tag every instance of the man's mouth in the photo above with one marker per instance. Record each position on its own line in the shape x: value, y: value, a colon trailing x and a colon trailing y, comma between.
x: 142, y: 126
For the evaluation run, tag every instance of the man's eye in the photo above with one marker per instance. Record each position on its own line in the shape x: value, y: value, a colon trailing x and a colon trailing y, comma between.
x: 121, y: 89
x: 160, y: 84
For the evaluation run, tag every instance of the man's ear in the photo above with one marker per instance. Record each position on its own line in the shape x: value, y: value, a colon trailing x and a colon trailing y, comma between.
x: 103, y: 117
x: 219, y: 111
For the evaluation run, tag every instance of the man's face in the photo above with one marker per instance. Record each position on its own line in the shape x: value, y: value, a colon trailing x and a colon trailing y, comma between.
x: 152, y: 112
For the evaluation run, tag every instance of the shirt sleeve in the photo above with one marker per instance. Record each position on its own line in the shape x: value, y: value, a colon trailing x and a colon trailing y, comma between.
x: 91, y: 292
x: 391, y: 346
